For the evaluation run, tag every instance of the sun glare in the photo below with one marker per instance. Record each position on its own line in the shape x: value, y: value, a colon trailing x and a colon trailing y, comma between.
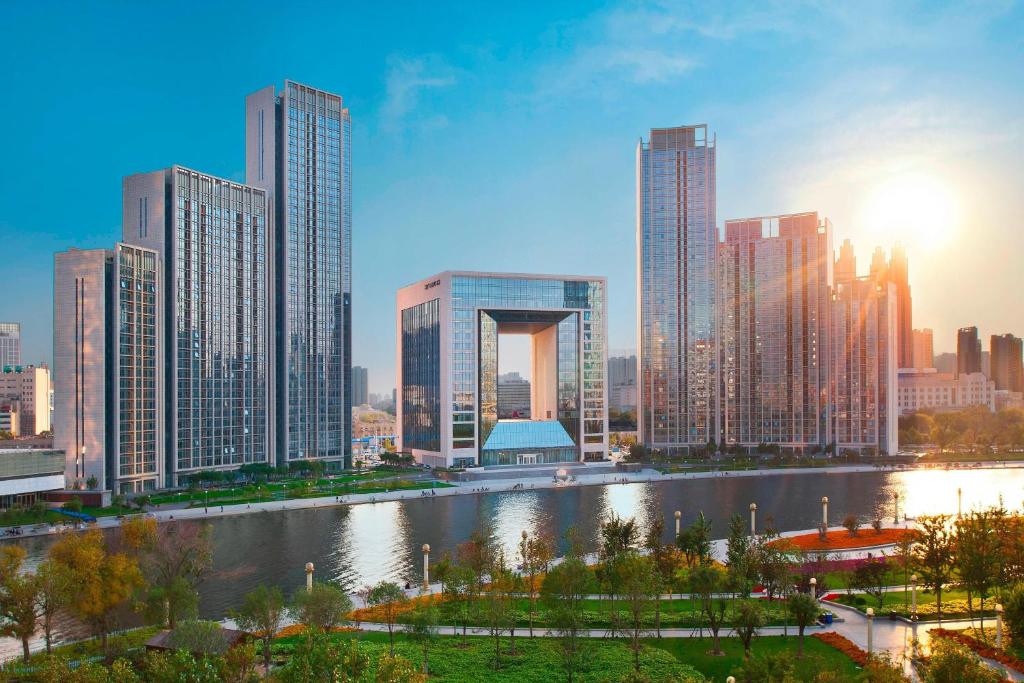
x: 918, y: 210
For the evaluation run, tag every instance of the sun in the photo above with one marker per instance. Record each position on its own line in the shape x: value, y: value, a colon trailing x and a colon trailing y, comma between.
x: 917, y: 209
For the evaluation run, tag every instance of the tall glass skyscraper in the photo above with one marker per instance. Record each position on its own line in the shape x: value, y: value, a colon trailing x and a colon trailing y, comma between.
x: 298, y: 149
x: 676, y: 242
x: 211, y: 235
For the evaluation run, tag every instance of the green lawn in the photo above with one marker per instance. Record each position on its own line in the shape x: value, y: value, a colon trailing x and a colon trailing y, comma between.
x: 817, y: 655
x: 954, y: 604
x: 674, y: 613
x: 536, y: 661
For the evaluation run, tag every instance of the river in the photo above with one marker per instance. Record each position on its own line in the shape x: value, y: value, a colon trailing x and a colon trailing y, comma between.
x: 361, y: 544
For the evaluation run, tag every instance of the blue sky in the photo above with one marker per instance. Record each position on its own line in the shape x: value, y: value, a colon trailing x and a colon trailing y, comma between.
x: 502, y: 136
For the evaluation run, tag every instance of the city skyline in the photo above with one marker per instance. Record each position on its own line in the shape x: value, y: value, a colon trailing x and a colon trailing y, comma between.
x: 577, y: 85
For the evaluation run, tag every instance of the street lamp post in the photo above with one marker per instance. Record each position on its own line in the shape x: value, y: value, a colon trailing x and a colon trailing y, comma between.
x: 753, y: 518
x: 913, y: 597
x: 426, y: 566
x: 678, y: 516
x: 871, y: 619
x: 309, y: 577
x: 896, y: 508
x: 959, y: 502
x: 814, y: 588
x: 824, y: 512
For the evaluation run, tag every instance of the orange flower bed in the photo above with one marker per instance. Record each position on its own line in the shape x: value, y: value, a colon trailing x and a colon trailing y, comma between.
x: 981, y: 649
x: 842, y: 540
x: 844, y: 645
x: 377, y: 614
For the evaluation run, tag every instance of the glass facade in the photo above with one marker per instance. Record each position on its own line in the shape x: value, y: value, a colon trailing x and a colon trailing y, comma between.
x: 421, y: 376
x: 774, y: 297
x: 219, y: 317
x: 10, y: 345
x: 138, y: 466
x: 864, y: 366
x: 677, y: 239
x: 314, y: 254
x: 480, y: 304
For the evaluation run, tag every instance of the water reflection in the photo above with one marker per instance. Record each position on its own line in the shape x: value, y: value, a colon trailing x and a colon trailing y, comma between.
x: 362, y: 544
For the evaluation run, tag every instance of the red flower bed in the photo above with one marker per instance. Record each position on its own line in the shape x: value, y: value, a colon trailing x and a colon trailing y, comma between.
x: 844, y: 645
x: 981, y: 649
x: 842, y: 540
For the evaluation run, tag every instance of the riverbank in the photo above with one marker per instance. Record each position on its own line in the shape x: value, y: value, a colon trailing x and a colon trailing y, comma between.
x: 522, y: 484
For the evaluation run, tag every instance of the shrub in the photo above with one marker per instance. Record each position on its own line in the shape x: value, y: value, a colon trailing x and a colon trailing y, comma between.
x: 1013, y: 606
x: 852, y: 524
x: 73, y: 505
x: 876, y: 524
x: 954, y: 663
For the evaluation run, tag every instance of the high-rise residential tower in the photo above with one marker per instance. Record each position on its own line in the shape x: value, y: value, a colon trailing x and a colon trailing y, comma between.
x: 212, y: 236
x: 774, y: 305
x: 10, y: 345
x: 108, y: 398
x: 298, y: 149
x: 1006, y: 360
x: 864, y: 374
x: 968, y: 350
x: 900, y: 278
x: 923, y: 349
x: 677, y: 239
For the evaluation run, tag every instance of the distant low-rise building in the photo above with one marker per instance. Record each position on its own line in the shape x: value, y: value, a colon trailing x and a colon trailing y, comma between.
x: 940, y: 391
x: 1009, y: 399
x: 10, y: 420
x: 513, y: 397
x: 27, y: 389
x: 27, y: 473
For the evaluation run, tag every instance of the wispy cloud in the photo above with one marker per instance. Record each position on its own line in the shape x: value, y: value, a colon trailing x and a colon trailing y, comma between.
x: 407, y: 81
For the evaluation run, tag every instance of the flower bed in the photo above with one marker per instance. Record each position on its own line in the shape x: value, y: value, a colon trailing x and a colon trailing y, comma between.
x: 379, y: 614
x: 842, y: 540
x: 844, y: 645
x: 981, y: 649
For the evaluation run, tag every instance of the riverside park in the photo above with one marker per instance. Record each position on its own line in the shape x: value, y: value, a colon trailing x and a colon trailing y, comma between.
x: 852, y: 572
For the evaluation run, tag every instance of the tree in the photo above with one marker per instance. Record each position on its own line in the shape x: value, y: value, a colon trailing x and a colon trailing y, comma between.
x: 456, y: 580
x: 421, y: 628
x: 851, y: 523
x: 174, y: 557
x: 804, y: 609
x: 774, y: 564
x: 664, y: 563
x: 497, y: 612
x: 476, y: 554
x: 639, y: 587
x: 737, y: 556
x: 562, y: 593
x: 324, y: 606
x: 103, y: 581
x: 977, y: 554
x: 695, y: 541
x: 390, y: 598
x: 199, y: 637
x: 869, y: 576
x: 535, y: 554
x: 933, y: 554
x: 749, y: 617
x: 618, y: 536
x: 18, y: 594
x: 319, y: 658
x: 707, y: 582
x: 53, y: 591
x: 262, y: 613
x: 903, y: 556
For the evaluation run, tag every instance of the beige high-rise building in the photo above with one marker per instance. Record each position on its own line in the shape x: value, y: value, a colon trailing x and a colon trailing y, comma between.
x: 864, y: 372
x: 107, y: 388
x: 774, y: 301
x: 28, y: 388
x: 924, y: 350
